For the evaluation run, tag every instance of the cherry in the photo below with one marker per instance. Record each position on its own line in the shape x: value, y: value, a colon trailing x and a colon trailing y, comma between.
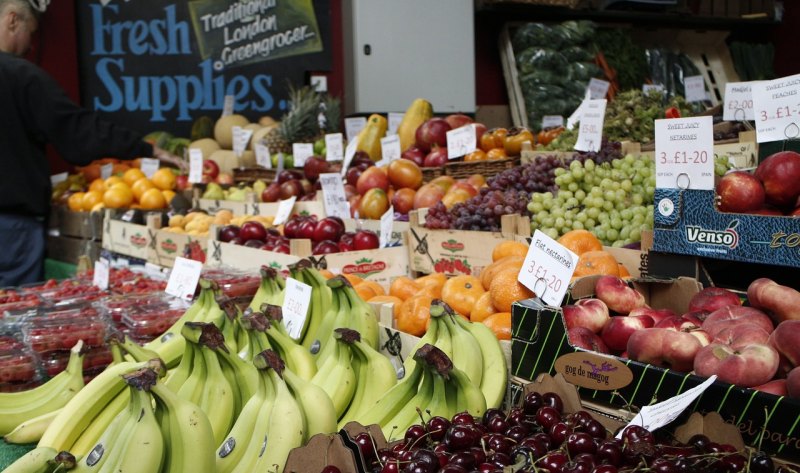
x: 499, y: 443
x: 463, y: 418
x: 490, y: 414
x: 580, y: 418
x: 500, y: 459
x: 331, y: 469
x: 437, y: 428
x: 392, y: 466
x: 547, y: 416
x: 405, y: 456
x: 700, y: 442
x: 605, y: 468
x: 466, y: 460
x: 595, y: 429
x: 634, y: 434
x: 460, y: 437
x: 532, y: 402
x: 559, y: 432
x: 487, y: 467
x: 544, y: 440
x: 516, y: 416
x: 416, y: 467
x: 454, y: 469
x: 786, y: 469
x: 553, y: 400
x: 385, y: 454
x: 398, y: 447
x: 497, y: 424
x: 683, y: 465
x: 609, y: 452
x: 587, y: 458
x: 663, y: 465
x: 414, y: 434
x: 552, y: 462
x: 517, y: 433
x: 427, y: 457
x: 580, y: 442
x: 576, y: 467
x: 734, y: 463
x: 478, y: 454
x: 366, y: 446
x: 536, y: 449
x: 760, y: 462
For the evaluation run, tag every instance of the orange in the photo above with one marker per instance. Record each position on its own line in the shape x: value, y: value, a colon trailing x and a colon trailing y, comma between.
x: 113, y: 180
x: 139, y: 187
x: 75, y: 201
x: 365, y: 291
x: 98, y: 185
x: 353, y: 279
x: 326, y: 273
x: 164, y: 179
x: 403, y: 288
x: 168, y: 195
x: 432, y: 284
x: 152, y: 199
x: 580, y: 241
x: 377, y: 288
x: 90, y: 199
x: 118, y: 196
x: 462, y: 292
x: 596, y: 262
x: 132, y: 175
x: 509, y: 248
x: 506, y: 290
x: 414, y: 315
x: 395, y: 301
x: 623, y: 272
x: 502, y: 264
x: 500, y: 323
x: 483, y: 308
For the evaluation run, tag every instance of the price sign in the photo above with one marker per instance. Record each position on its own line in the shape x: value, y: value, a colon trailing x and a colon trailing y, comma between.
x: 279, y: 168
x: 333, y: 195
x: 552, y: 121
x: 738, y: 102
x: 387, y: 223
x: 576, y: 115
x: 598, y: 88
x: 100, y: 276
x: 394, y: 122
x: 349, y: 153
x: 195, y: 166
x: 60, y: 177
x: 590, y: 134
x: 106, y: 170
x: 461, y: 141
x: 646, y: 88
x: 301, y: 152
x: 284, y: 210
x: 390, y: 148
x: 547, y: 269
x: 241, y: 136
x: 353, y: 126
x: 183, y: 278
x: 334, y: 147
x: 695, y: 87
x: 685, y: 153
x: 777, y: 108
x: 295, y: 306
x: 150, y: 166
x: 263, y: 158
x: 658, y: 415
x: 227, y: 106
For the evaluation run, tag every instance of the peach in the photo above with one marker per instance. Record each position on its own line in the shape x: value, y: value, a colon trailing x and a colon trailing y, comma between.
x: 735, y: 315
x: 590, y: 313
x: 656, y: 314
x: 582, y: 337
x: 688, y: 324
x: 781, y: 302
x: 619, y: 328
x: 664, y: 347
x: 742, y: 334
x: 793, y: 383
x: 617, y: 295
x: 747, y: 366
x: 713, y: 298
x: 776, y: 387
x: 786, y: 340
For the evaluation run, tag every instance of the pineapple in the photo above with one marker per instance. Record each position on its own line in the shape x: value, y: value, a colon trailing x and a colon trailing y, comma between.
x: 299, y: 124
x: 331, y: 113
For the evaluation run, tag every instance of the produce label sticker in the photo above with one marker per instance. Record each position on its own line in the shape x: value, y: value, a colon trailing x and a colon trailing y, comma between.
x: 295, y: 306
x: 284, y: 210
x: 227, y: 106
x: 590, y: 134
x: 100, y: 276
x: 394, y: 122
x: 598, y: 88
x: 301, y: 152
x: 552, y: 121
x: 646, y: 88
x: 547, y: 269
x: 60, y: 177
x: 776, y: 106
x: 461, y: 141
x: 353, y: 126
x: 685, y: 153
x: 390, y: 149
x: 333, y: 195
x: 695, y: 87
x: 349, y: 153
x: 387, y: 223
x: 183, y: 278
x: 106, y: 170
x: 263, y: 158
x: 658, y: 415
x: 195, y: 166
x: 738, y: 102
x: 241, y: 136
x: 334, y: 147
x: 150, y: 166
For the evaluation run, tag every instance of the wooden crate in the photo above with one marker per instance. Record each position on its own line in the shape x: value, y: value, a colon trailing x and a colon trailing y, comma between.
x: 87, y: 225
x: 312, y: 207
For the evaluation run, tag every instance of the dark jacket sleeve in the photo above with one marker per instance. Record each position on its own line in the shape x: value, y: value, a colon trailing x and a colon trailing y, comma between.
x: 79, y: 135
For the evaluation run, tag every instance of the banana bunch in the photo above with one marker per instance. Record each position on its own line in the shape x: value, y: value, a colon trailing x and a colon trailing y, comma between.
x: 472, y: 347
x: 336, y: 375
x: 42, y: 460
x: 25, y: 415
x: 271, y: 289
x: 347, y: 310
x: 297, y: 358
x: 304, y: 272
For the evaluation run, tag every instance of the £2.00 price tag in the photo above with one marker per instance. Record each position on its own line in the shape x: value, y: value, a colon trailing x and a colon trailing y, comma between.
x: 353, y: 126
x: 777, y: 109
x: 461, y: 141
x: 301, y: 152
x: 738, y: 102
x: 183, y: 278
x: 284, y: 210
x: 295, y: 306
x: 333, y: 194
x: 387, y: 224
x: 390, y: 149
x: 334, y: 147
x: 195, y: 166
x: 394, y: 122
x: 150, y: 166
x: 685, y: 153
x: 590, y: 133
x: 100, y: 276
x: 547, y: 269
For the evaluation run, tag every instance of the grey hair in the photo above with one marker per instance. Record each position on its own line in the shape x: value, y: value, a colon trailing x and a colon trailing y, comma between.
x: 24, y: 7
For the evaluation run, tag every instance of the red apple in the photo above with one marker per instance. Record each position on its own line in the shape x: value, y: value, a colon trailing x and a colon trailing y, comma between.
x: 777, y: 387
x: 366, y: 240
x: 786, y: 340
x: 325, y: 247
x: 747, y: 366
x: 289, y: 175
x: 664, y: 347
x: 656, y: 314
x: 713, y: 298
x: 414, y: 154
x: 436, y: 158
x: 588, y: 313
x: 457, y: 120
x: 352, y: 174
x: 740, y: 192
x: 306, y: 228
x: 228, y: 233
x: 314, y: 166
x: 346, y: 241
x: 291, y: 226
x: 619, y: 329
x: 432, y: 133
x: 210, y: 168
x: 272, y: 193
x: 793, y: 383
x: 735, y: 315
x: 371, y: 178
x: 328, y: 229
x: 780, y: 174
x: 225, y: 178
x: 465, y: 186
x: 182, y: 182
x: 617, y: 295
x: 768, y: 211
x: 291, y: 188
x: 253, y: 231
x: 582, y: 337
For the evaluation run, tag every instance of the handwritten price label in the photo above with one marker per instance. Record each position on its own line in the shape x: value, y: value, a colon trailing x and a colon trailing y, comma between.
x: 387, y: 223
x: 598, y: 88
x: 183, y: 278
x: 150, y: 166
x: 646, y: 88
x: 334, y: 147
x: 738, y: 102
x: 301, y: 152
x: 241, y: 136
x: 284, y: 210
x: 590, y: 134
x: 333, y: 195
x: 685, y: 153
x: 195, y: 166
x: 390, y: 149
x: 263, y: 158
x: 695, y: 87
x: 776, y: 104
x: 295, y: 306
x: 394, y: 122
x: 349, y: 153
x: 100, y: 276
x: 461, y: 141
x: 227, y: 106
x: 547, y: 269
x: 353, y: 126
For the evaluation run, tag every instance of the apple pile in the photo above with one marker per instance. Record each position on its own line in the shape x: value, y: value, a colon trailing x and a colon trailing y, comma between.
x: 774, y: 188
x: 753, y: 346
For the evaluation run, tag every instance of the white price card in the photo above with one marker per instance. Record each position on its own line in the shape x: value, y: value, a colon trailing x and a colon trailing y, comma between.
x: 552, y: 121
x: 284, y: 210
x: 738, y: 102
x: 295, y: 306
x: 333, y: 195
x: 695, y: 87
x: 150, y: 166
x: 334, y: 147
x: 100, y: 276
x: 590, y: 133
x: 598, y: 88
x: 349, y: 153
x: 60, y: 177
x: 547, y: 269
x: 279, y: 166
x: 646, y: 88
x: 263, y: 158
x: 777, y: 109
x: 461, y: 141
x: 394, y: 122
x: 241, y: 136
x: 183, y: 278
x: 227, y: 106
x: 658, y: 415
x: 353, y: 126
x: 387, y: 224
x: 685, y: 153
x: 106, y: 170
x: 195, y: 166
x: 576, y: 115
x: 301, y: 152
x: 390, y: 148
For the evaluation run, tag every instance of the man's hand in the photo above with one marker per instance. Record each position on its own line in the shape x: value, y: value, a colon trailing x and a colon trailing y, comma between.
x: 169, y: 158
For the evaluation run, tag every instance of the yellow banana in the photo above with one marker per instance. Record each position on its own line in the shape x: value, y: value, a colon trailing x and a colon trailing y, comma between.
x: 375, y: 377
x: 336, y: 376
x: 31, y: 430
x: 394, y: 400
x: 41, y: 460
x: 429, y: 338
x: 495, y: 370
x: 91, y: 435
x: 270, y: 291
x: 467, y: 355
x: 142, y: 449
x: 408, y: 415
x: 218, y: 399
x: 324, y: 336
x: 318, y: 411
x: 469, y: 397
x: 321, y: 299
x: 363, y: 316
x: 233, y: 449
x: 296, y: 357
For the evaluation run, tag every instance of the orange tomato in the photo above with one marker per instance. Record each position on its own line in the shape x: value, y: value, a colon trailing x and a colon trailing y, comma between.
x: 462, y: 292
x: 477, y: 155
x: 152, y: 199
x: 492, y: 139
x: 496, y: 154
x: 500, y: 323
x: 415, y: 313
x: 515, y: 138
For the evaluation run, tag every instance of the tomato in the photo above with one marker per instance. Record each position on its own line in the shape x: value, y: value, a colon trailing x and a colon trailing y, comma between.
x: 493, y: 139
x: 405, y: 173
x: 477, y: 155
x: 546, y: 136
x: 374, y: 204
x: 512, y: 142
x: 672, y: 112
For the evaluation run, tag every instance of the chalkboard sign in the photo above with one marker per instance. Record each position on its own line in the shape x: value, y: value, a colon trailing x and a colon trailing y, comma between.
x: 159, y: 65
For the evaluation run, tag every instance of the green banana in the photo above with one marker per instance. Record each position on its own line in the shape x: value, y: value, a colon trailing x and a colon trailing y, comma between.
x: 430, y: 337
x: 142, y: 449
x: 42, y: 460
x: 467, y: 355
x: 444, y: 339
x: 395, y: 399
x: 495, y: 370
x: 407, y: 415
x: 375, y: 375
x: 218, y: 398
x: 241, y: 374
x: 270, y: 291
x: 91, y: 435
x: 136, y: 351
x: 296, y: 357
x: 233, y: 449
x: 335, y: 312
x: 469, y: 397
x: 364, y: 319
x: 318, y: 410
x: 178, y: 375
x: 192, y: 388
x: 109, y: 445
x: 31, y: 430
x: 336, y: 376
x: 321, y: 299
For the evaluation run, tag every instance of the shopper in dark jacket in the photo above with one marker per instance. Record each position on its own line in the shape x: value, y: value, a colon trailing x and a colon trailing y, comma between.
x: 34, y: 110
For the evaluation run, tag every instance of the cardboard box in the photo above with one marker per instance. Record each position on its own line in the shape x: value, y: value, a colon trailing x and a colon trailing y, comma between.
x: 687, y: 222
x: 398, y: 228
x: 86, y: 225
x: 125, y: 238
x: 260, y: 208
x: 320, y: 451
x: 539, y: 345
x: 166, y: 246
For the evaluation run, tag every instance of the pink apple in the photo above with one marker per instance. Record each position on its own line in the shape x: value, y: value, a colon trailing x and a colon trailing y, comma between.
x: 793, y: 383
x: 582, y: 337
x: 686, y: 324
x: 617, y: 295
x: 713, y: 298
x: 747, y: 366
x: 656, y: 314
x: 734, y: 315
x: 664, y: 347
x: 741, y: 334
x: 780, y: 174
x: 619, y: 328
x: 786, y: 340
x: 590, y: 313
x: 776, y: 387
x: 740, y: 192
